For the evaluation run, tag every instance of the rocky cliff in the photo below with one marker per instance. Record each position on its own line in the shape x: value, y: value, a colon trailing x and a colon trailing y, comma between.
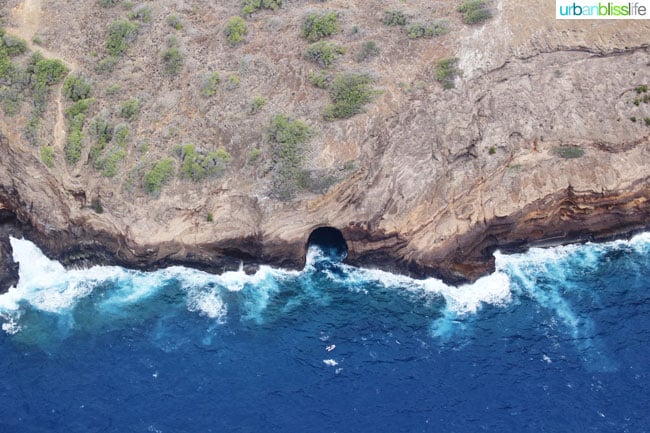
x: 539, y: 136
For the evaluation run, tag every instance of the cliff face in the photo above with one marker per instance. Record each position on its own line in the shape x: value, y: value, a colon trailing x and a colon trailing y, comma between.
x: 542, y: 139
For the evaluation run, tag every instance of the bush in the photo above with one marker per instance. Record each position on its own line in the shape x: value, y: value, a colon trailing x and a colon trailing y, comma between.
x: 319, y: 79
x: 47, y: 156
x: 130, y: 108
x: 172, y: 61
x: 647, y: 121
x: 121, y: 135
x: 569, y: 152
x: 49, y: 71
x: 421, y: 30
x: 446, y: 72
x: 96, y: 205
x: 257, y: 104
x: 108, y: 3
x: 197, y: 165
x: 316, y: 25
x: 174, y: 22
x: 141, y: 13
x: 236, y: 29
x: 106, y: 65
x: 323, y: 53
x: 474, y: 11
x: 12, y: 45
x: 161, y: 173
x: 251, y: 6
x: 76, y: 115
x: 210, y: 217
x: 287, y: 137
x: 76, y: 87
x: 233, y: 82
x: 209, y: 87
x: 368, y: 50
x: 349, y: 93
x: 120, y: 34
x: 641, y: 88
x: 394, y: 18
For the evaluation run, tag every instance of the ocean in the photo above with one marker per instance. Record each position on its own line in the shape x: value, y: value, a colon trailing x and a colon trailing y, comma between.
x: 555, y: 340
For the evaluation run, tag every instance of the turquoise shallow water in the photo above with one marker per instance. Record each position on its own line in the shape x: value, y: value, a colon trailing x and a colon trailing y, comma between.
x: 556, y: 340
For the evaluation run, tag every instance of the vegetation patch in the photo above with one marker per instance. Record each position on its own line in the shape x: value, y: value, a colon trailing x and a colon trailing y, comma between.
x: 287, y: 138
x: 250, y: 6
x: 394, y: 18
x: 210, y: 83
x: 47, y: 156
x: 76, y: 116
x: 120, y: 34
x: 236, y: 29
x: 569, y: 152
x: 368, y: 50
x: 174, y: 22
x: 12, y: 45
x: 76, y: 87
x: 427, y: 30
x: 318, y: 25
x: 257, y: 104
x: 643, y: 88
x: 130, y: 108
x: 172, y: 58
x: 161, y: 173
x: 349, y: 93
x: 319, y: 79
x: 447, y: 71
x: 474, y: 11
x: 197, y: 165
x: 323, y: 53
x: 141, y: 13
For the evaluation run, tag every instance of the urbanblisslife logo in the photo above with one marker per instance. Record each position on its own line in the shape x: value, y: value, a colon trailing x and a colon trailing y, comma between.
x: 602, y: 10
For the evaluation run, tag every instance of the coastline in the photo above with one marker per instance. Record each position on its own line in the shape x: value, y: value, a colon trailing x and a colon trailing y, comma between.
x: 563, y: 218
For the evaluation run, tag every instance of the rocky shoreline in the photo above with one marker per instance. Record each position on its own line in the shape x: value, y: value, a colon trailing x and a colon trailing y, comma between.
x: 566, y: 217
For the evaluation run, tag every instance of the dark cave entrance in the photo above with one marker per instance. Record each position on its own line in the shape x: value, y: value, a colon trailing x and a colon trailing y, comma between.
x: 330, y: 241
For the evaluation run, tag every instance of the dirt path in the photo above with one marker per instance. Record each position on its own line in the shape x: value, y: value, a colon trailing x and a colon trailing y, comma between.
x: 26, y: 20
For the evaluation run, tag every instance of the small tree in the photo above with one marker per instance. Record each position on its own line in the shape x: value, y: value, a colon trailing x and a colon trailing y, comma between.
x: 236, y: 29
x: 316, y: 25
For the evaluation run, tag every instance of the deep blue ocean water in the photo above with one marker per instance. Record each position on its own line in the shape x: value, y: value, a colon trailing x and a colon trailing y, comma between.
x: 557, y: 340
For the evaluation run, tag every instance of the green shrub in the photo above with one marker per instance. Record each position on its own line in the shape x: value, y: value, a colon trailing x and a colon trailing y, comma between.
x: 197, y: 165
x: 319, y: 79
x: 210, y: 217
x: 368, y: 50
x: 446, y: 72
x: 492, y: 150
x: 174, y: 22
x: 49, y: 71
x: 12, y: 45
x: 323, y: 53
x: 287, y: 138
x: 120, y: 34
x: 317, y: 25
x: 647, y: 121
x: 141, y: 13
x: 121, y: 135
x: 76, y: 87
x: 257, y: 104
x: 569, y: 152
x: 633, y: 119
x: 429, y: 30
x: 130, y: 108
x: 47, y: 156
x: 96, y: 205
x: 474, y: 11
x: 11, y: 98
x: 161, y: 173
x: 394, y: 18
x: 349, y: 93
x: 643, y: 88
x: 210, y: 83
x: 172, y: 61
x: 101, y: 130
x: 251, y: 6
x: 108, y: 3
x: 113, y: 89
x: 236, y: 29
x: 76, y: 115
x: 73, y: 146
x: 253, y: 156
x: 233, y: 82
